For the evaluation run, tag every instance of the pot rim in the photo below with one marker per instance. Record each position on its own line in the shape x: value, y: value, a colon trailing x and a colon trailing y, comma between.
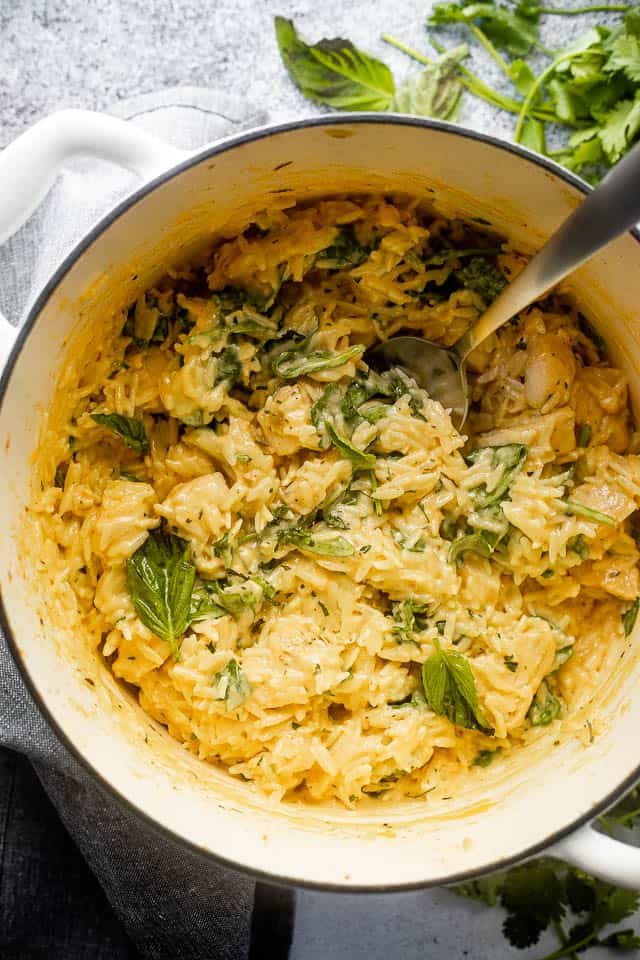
x: 25, y: 329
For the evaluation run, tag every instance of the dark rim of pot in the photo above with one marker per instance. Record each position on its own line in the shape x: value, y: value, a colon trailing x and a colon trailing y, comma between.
x: 206, y: 153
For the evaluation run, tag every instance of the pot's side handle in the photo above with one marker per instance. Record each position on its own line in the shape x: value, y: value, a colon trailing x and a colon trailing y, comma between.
x: 29, y: 165
x: 608, y: 859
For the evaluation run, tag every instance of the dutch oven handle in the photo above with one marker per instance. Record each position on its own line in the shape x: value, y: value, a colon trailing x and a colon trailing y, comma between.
x: 605, y: 857
x: 30, y: 165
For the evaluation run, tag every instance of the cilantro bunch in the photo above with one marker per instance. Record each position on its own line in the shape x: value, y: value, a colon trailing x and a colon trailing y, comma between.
x: 590, y: 88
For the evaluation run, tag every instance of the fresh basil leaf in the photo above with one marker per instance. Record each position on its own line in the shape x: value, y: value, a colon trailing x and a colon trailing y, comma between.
x: 308, y: 542
x: 545, y: 708
x: 335, y: 71
x: 231, y: 686
x: 127, y: 428
x: 508, y: 456
x: 450, y: 689
x: 434, y: 91
x: 581, y: 510
x: 482, y: 542
x: 160, y: 578
x: 290, y: 364
x: 630, y: 616
x: 357, y: 457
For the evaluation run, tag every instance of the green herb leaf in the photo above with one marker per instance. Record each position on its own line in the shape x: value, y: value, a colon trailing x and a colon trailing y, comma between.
x: 630, y: 616
x: 434, y: 91
x: 344, y: 253
x: 410, y: 617
x: 127, y: 428
x: 290, y: 364
x: 545, y: 708
x: 228, y: 367
x: 509, y: 457
x: 357, y: 457
x: 507, y: 29
x: 485, y: 757
x: 231, y: 685
x: 579, y: 545
x: 583, y: 434
x: 483, y: 277
x: 160, y: 578
x: 450, y: 689
x: 334, y: 71
x: 306, y: 541
x: 581, y: 510
x: 483, y: 543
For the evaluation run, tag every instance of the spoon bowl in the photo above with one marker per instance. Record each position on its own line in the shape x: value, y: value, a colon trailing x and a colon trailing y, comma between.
x: 439, y: 370
x: 608, y: 211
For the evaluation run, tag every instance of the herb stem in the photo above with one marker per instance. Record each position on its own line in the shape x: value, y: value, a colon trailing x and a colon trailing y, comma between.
x: 482, y: 38
x: 621, y: 821
x: 473, y: 84
x: 570, y: 949
x: 410, y: 51
x: 563, y: 938
x: 525, y: 108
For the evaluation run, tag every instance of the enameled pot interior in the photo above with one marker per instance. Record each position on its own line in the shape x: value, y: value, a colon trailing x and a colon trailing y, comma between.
x: 494, y: 821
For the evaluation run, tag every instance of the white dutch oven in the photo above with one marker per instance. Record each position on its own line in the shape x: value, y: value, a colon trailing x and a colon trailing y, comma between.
x: 544, y: 807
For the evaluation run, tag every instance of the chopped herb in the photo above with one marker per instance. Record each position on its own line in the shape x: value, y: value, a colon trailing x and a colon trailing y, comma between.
x: 581, y: 510
x: 484, y: 757
x: 481, y: 276
x: 127, y: 428
x: 545, y: 708
x: 291, y: 363
x: 324, y: 608
x: 357, y: 457
x: 510, y: 662
x: 344, y: 253
x: 583, y: 434
x: 228, y: 367
x: 629, y: 617
x: 509, y: 457
x: 579, y: 545
x: 410, y: 617
x: 231, y: 685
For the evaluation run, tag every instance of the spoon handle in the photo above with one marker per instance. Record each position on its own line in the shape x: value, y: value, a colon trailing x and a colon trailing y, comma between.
x: 612, y: 208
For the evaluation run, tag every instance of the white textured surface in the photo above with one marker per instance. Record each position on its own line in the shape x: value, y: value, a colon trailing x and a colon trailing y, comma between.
x: 62, y: 53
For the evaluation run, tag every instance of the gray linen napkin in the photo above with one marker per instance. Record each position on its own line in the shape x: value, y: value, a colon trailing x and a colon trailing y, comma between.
x: 172, y: 902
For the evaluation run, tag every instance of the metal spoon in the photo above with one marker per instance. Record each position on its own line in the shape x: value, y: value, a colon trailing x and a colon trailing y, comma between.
x: 608, y: 211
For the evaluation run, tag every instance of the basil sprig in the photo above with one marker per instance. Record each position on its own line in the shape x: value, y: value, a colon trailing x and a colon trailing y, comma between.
x: 450, y: 689
x: 161, y: 577
x: 334, y: 71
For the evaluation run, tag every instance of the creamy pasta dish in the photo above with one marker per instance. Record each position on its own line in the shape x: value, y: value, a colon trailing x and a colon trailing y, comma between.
x: 308, y: 575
